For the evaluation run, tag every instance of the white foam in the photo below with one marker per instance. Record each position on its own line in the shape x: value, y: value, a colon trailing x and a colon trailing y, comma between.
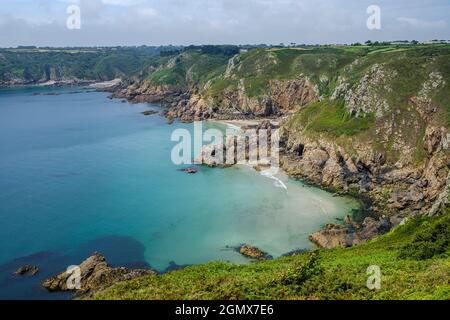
x: 233, y: 127
x: 270, y: 173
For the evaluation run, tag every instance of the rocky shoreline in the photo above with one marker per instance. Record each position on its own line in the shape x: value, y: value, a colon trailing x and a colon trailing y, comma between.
x: 395, y: 191
x: 107, y: 86
x: 320, y: 163
x: 46, y: 83
x: 179, y: 105
x: 94, y: 275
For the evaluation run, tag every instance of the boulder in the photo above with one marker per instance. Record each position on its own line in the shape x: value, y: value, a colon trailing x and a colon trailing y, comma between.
x: 149, y: 112
x: 332, y: 236
x: 252, y: 252
x: 27, y: 269
x: 96, y: 275
x: 189, y: 170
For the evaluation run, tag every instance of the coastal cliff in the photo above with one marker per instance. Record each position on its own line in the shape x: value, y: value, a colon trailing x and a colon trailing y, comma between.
x: 374, y: 124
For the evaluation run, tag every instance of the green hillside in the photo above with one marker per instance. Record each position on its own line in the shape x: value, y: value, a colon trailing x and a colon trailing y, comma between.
x: 30, y: 65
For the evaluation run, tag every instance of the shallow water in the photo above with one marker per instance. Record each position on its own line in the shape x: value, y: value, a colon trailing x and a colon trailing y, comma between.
x: 77, y: 167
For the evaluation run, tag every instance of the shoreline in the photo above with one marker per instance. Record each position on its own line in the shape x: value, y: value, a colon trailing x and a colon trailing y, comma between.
x: 96, y: 84
x: 362, y: 223
x: 243, y: 124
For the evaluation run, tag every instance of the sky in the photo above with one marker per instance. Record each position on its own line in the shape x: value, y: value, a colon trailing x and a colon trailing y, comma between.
x: 185, y: 22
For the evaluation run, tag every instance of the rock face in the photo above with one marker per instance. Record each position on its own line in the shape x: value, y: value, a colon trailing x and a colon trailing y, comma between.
x: 252, y: 252
x: 95, y: 275
x: 393, y: 186
x: 282, y: 97
x: 256, y: 149
x: 365, y: 97
x: 385, y: 164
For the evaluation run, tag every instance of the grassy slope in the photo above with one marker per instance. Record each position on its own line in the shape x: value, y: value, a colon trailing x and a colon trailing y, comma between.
x: 332, y: 118
x: 192, y: 68
x: 258, y: 67
x: 412, y: 67
x: 321, y: 274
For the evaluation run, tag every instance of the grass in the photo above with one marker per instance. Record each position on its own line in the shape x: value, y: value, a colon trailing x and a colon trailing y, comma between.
x: 259, y: 66
x: 191, y: 68
x: 331, y: 118
x: 406, y: 272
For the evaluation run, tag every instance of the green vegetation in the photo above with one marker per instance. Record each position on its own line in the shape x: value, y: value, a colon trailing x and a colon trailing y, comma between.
x: 414, y: 262
x: 259, y: 66
x: 40, y: 64
x: 432, y: 240
x: 331, y: 118
x: 190, y: 68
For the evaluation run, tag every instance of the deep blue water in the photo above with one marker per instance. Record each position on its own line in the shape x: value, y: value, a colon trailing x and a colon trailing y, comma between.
x: 80, y: 173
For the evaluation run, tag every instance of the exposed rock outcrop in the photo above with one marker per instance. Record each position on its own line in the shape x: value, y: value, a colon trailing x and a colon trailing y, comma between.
x: 282, y: 97
x: 365, y: 98
x: 33, y: 270
x: 252, y: 252
x: 333, y: 235
x: 95, y: 275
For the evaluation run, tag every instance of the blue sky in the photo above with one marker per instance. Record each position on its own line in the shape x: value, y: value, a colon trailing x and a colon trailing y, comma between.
x: 156, y: 22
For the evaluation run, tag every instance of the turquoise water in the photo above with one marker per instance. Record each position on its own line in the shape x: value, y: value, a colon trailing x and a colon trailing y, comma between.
x: 76, y: 167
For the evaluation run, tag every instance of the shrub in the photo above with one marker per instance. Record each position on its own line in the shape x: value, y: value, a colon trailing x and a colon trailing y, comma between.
x: 433, y: 240
x: 301, y: 270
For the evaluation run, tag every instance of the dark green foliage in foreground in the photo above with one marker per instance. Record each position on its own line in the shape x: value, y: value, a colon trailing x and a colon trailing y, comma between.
x: 432, y: 240
x: 320, y: 274
x: 301, y: 271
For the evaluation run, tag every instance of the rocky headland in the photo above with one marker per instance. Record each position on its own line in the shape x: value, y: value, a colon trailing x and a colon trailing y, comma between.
x: 351, y: 128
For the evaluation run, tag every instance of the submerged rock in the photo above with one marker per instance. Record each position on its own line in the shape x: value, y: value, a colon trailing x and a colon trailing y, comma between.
x: 252, y: 252
x: 189, y: 170
x: 149, y: 112
x: 27, y: 269
x: 95, y: 275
